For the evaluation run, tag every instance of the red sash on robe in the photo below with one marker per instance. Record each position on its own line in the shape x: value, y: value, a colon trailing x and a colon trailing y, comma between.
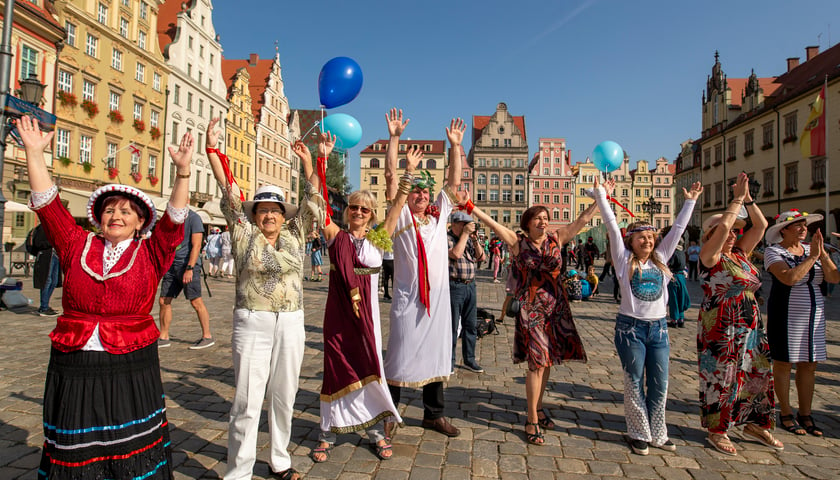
x: 350, y: 356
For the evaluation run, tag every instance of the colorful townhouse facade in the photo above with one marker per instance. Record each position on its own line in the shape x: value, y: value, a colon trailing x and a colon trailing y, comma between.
x: 551, y: 181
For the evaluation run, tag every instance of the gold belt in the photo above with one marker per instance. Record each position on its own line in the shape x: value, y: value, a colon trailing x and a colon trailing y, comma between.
x: 361, y: 271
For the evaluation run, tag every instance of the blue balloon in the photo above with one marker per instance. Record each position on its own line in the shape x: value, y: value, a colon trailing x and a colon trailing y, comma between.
x: 340, y: 82
x: 608, y: 156
x: 347, y: 130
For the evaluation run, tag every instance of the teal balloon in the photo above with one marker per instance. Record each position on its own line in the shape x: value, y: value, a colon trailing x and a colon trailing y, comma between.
x: 347, y: 130
x: 608, y: 156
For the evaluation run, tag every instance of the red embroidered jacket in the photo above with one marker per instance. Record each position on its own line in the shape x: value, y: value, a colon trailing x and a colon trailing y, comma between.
x: 121, y: 301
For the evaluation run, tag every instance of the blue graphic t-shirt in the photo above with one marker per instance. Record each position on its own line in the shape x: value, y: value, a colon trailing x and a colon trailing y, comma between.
x: 647, y: 284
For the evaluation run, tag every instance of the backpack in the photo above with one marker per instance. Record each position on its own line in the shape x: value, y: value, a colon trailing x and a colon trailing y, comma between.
x: 485, y: 323
x: 30, y: 248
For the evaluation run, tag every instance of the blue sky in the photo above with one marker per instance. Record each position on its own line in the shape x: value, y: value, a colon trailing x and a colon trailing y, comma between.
x: 583, y: 70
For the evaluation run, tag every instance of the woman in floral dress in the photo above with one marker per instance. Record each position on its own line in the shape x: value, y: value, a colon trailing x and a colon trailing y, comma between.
x: 736, y: 375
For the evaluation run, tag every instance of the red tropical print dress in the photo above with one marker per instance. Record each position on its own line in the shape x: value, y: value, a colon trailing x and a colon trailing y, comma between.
x: 736, y: 381
x: 545, y: 331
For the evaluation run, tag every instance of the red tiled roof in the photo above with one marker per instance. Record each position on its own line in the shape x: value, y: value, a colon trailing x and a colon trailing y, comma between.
x: 738, y: 85
x: 259, y: 71
x: 481, y: 121
x: 167, y: 26
x: 46, y: 13
x: 807, y: 75
x: 229, y: 70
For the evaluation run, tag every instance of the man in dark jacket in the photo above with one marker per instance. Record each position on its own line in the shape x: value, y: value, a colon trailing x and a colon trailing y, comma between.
x: 47, y: 274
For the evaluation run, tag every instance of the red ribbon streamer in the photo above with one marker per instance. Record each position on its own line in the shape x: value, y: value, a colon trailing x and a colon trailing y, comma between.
x: 620, y: 205
x: 226, y: 167
x: 322, y: 175
x: 422, y: 268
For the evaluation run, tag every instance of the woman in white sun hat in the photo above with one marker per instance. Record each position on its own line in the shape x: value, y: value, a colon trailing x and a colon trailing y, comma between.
x: 795, y: 312
x: 104, y: 412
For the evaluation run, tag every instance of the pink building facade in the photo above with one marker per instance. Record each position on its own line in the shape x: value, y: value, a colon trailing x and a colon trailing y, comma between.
x: 551, y: 181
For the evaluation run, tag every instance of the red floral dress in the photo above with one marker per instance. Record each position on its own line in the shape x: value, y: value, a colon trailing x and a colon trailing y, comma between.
x: 545, y: 331
x: 736, y: 374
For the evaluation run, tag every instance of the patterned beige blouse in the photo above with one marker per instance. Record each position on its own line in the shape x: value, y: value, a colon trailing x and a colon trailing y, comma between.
x: 268, y: 277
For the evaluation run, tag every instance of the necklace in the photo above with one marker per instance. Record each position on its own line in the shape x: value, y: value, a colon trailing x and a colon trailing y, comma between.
x: 422, y: 221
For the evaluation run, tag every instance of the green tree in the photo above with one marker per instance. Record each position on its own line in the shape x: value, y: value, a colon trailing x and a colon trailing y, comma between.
x: 337, y: 180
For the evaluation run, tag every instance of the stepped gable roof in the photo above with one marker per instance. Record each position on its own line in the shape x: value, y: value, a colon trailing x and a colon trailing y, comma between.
x: 167, y: 25
x: 259, y: 71
x: 481, y: 121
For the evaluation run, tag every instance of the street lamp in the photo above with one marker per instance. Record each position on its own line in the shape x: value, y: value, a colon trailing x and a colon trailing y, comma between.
x: 652, y: 207
x: 754, y: 187
x: 31, y: 90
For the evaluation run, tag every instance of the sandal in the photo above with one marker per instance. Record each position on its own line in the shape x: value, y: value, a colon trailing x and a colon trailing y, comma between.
x: 381, y: 449
x: 763, y: 437
x: 324, y: 450
x: 288, y: 474
x: 545, y: 421
x: 794, y: 427
x: 537, y: 437
x: 808, y: 424
x: 722, y: 443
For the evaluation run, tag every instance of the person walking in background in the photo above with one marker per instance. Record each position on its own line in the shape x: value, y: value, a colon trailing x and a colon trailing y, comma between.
x: 46, y: 276
x: 213, y: 252
x: 796, y: 313
x: 315, y: 258
x: 496, y: 257
x: 693, y: 256
x: 678, y: 299
x: 227, y: 254
x: 580, y: 254
x: 185, y: 275
x: 590, y: 253
x: 641, y: 330
x: 736, y: 376
x: 464, y: 254
x: 387, y: 273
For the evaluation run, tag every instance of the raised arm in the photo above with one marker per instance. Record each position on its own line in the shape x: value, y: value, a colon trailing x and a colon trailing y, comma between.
x: 212, y: 137
x: 613, y: 232
x: 505, y: 234
x: 669, y: 242
x: 712, y: 247
x: 413, y: 158
x: 751, y: 237
x: 182, y: 158
x: 567, y: 232
x: 455, y: 135
x: 396, y: 126
x: 34, y: 144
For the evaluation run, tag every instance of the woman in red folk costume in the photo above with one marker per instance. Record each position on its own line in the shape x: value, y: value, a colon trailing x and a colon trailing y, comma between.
x: 104, y: 411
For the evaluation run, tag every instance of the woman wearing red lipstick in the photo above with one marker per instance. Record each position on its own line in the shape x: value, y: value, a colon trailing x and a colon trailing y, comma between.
x: 104, y: 411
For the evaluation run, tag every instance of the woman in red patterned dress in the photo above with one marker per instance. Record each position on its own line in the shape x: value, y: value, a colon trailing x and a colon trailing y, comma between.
x: 736, y: 375
x: 545, y: 332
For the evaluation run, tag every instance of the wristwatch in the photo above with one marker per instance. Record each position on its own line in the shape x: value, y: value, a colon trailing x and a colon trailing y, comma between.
x: 190, y: 266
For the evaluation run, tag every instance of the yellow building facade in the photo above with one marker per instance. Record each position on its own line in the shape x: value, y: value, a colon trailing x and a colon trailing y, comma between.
x: 110, y: 99
x: 240, y: 143
x: 585, y: 174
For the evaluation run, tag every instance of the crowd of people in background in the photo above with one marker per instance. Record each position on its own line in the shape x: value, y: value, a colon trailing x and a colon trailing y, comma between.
x: 426, y: 254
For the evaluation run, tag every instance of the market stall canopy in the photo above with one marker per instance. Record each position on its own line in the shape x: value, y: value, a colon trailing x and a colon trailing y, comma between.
x: 15, y: 207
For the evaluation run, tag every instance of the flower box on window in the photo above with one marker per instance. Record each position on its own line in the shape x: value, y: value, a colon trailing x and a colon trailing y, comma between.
x: 154, y: 132
x: 136, y: 176
x: 113, y: 172
x: 139, y: 125
x: 789, y: 139
x: 67, y: 98
x: 90, y: 107
x: 717, y: 163
x: 747, y: 153
x: 789, y: 190
x: 115, y: 116
x: 767, y: 146
x: 153, y: 180
x: 87, y: 167
x: 64, y: 161
x: 731, y: 158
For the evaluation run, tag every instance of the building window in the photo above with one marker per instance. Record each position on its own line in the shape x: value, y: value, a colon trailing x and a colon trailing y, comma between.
x: 790, y: 127
x: 71, y: 33
x: 480, y: 195
x: 494, y: 179
x: 507, y: 142
x: 506, y: 180
x: 731, y: 149
x: 144, y: 10
x: 140, y: 73
x: 141, y: 40
x: 65, y: 81
x: 374, y: 180
x: 28, y: 62
x: 555, y: 214
x: 189, y: 101
x: 545, y: 199
x: 556, y: 198
x: 768, y: 182
x: 116, y: 60
x: 62, y: 143
x: 506, y: 195
x: 791, y: 178
x: 91, y: 45
x: 494, y: 195
x: 176, y: 95
x: 557, y: 185
x: 154, y: 120
x: 135, y: 163
x: 156, y: 79
x: 123, y: 27
x: 748, y: 142
x: 494, y: 142
x: 545, y: 184
x: 506, y: 216
x: 519, y: 196
x: 85, y: 146
x: 200, y: 107
x: 818, y: 173
x: 113, y: 101
x: 719, y: 193
x: 707, y: 158
x: 520, y: 180
x: 88, y: 90
x: 102, y: 14
x: 153, y: 166
x: 138, y: 111
x: 112, y: 155
x: 767, y: 136
x: 718, y: 154
x: 566, y: 214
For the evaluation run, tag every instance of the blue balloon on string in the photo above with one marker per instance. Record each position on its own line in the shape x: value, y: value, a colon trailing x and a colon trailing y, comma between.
x: 340, y: 82
x: 608, y: 156
x: 346, y: 129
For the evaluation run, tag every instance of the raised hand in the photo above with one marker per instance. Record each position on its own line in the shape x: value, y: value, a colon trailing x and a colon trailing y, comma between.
x: 455, y: 132
x: 31, y: 136
x: 817, y: 246
x: 694, y: 193
x: 302, y: 151
x: 213, y: 135
x: 741, y: 188
x: 182, y: 156
x: 413, y: 158
x: 326, y: 143
x: 609, y: 185
x: 462, y: 197
x: 396, y: 125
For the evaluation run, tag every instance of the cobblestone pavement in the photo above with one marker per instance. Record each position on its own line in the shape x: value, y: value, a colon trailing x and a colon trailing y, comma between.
x: 585, y: 400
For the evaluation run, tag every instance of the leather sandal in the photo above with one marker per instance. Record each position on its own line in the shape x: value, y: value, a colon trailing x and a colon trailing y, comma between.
x: 545, y: 421
x: 794, y: 427
x: 808, y: 424
x: 722, y: 443
x: 381, y: 449
x: 288, y: 474
x: 763, y: 437
x: 323, y: 450
x: 537, y: 437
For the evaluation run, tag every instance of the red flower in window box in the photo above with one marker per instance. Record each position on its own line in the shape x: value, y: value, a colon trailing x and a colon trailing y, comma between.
x: 115, y: 116
x: 139, y: 125
x: 113, y: 172
x: 153, y: 180
x: 154, y: 132
x: 90, y: 107
x: 67, y: 98
x: 136, y: 176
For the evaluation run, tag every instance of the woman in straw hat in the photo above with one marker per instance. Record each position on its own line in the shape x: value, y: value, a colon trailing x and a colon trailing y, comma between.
x: 736, y: 381
x: 104, y: 412
x: 795, y: 312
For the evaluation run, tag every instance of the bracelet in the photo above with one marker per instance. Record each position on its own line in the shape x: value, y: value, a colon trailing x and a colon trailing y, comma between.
x: 182, y: 175
x: 750, y: 203
x: 469, y: 207
x: 737, y: 200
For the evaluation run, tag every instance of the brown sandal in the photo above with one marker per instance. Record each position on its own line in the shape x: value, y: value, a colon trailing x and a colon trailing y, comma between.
x: 763, y: 437
x: 537, y: 437
x: 722, y: 443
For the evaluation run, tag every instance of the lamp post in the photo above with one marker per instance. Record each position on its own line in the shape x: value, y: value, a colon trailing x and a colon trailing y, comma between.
x: 652, y: 207
x: 5, y: 72
x: 754, y: 187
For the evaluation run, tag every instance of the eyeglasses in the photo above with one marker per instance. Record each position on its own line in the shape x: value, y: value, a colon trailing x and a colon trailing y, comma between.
x: 354, y: 208
x: 266, y: 211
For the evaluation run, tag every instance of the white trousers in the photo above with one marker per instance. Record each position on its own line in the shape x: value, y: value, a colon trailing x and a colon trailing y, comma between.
x: 267, y: 352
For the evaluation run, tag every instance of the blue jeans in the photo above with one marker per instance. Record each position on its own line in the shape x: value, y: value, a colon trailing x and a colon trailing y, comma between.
x: 50, y: 283
x: 644, y: 348
x: 462, y: 303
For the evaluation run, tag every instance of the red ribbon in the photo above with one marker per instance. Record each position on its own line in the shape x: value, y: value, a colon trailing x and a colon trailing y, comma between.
x: 322, y: 175
x: 622, y: 206
x: 422, y: 268
x: 226, y: 167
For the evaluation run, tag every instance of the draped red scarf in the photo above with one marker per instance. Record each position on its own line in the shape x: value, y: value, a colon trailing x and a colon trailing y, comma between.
x: 422, y: 268
x: 322, y: 175
x: 228, y: 173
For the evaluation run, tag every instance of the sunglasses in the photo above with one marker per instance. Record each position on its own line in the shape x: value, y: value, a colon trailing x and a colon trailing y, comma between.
x: 354, y: 208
